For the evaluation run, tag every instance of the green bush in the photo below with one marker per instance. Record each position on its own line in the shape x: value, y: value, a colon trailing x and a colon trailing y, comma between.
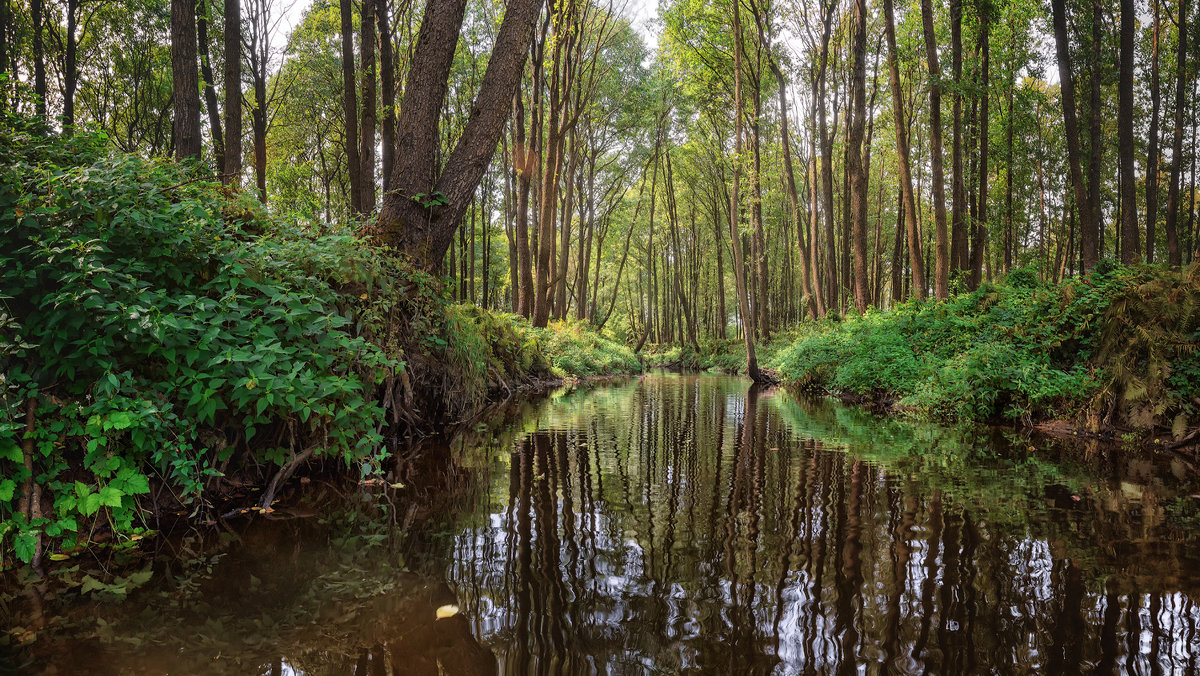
x: 575, y: 351
x: 162, y: 333
x: 1118, y: 344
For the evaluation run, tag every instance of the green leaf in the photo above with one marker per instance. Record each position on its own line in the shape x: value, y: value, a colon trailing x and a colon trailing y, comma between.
x: 7, y: 488
x: 24, y: 545
x: 110, y: 496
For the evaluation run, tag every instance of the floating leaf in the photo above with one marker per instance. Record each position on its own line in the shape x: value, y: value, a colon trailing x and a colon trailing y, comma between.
x: 447, y: 611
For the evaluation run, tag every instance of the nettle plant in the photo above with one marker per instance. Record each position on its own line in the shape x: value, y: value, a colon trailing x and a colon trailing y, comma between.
x: 156, y: 333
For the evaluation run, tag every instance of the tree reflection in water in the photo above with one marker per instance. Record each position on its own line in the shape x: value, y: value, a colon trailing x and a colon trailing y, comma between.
x: 689, y: 523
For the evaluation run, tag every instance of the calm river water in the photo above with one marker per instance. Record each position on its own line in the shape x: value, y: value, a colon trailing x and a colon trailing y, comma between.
x: 675, y: 524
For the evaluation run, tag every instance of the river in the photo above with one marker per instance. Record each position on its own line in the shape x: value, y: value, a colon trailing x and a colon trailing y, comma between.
x: 673, y: 524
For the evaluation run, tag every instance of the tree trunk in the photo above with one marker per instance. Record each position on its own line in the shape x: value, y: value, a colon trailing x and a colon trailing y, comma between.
x: 1152, y: 154
x: 387, y: 82
x: 1091, y: 239
x: 793, y: 197
x: 39, y: 51
x: 350, y: 110
x: 902, y: 158
x: 232, y: 170
x: 523, y: 161
x: 941, y: 275
x: 980, y: 224
x: 958, y: 227
x: 739, y: 266
x: 1071, y: 130
x: 1130, y: 247
x: 831, y: 280
x: 185, y: 87
x: 1173, y: 254
x: 424, y: 232
x: 366, y: 46
x: 203, y: 17
x: 858, y: 172
x: 70, y: 67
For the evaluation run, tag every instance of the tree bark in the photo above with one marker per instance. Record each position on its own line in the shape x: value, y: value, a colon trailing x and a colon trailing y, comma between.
x: 856, y: 168
x: 979, y: 225
x: 1153, y: 158
x: 36, y: 8
x: 1174, y: 258
x: 232, y: 170
x: 739, y: 264
x: 1071, y: 130
x: 1130, y: 247
x: 366, y: 46
x: 350, y: 109
x: 941, y: 275
x: 831, y: 281
x: 423, y: 232
x: 1091, y: 238
x: 917, y: 263
x: 387, y: 83
x: 203, y: 17
x: 185, y: 85
x: 958, y: 227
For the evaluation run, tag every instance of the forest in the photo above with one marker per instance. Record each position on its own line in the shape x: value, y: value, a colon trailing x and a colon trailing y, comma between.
x: 241, y: 238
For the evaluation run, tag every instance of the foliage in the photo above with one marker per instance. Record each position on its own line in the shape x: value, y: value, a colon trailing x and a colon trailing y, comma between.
x: 575, y: 351
x: 1118, y: 344
x: 162, y: 333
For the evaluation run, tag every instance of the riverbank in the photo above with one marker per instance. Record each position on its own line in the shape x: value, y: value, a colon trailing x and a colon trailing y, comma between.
x: 1112, y: 354
x: 168, y: 346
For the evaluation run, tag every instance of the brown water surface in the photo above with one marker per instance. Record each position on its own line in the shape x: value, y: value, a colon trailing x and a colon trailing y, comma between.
x: 678, y: 524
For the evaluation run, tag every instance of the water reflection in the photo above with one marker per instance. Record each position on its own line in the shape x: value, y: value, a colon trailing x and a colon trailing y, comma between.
x: 685, y: 524
x: 675, y: 524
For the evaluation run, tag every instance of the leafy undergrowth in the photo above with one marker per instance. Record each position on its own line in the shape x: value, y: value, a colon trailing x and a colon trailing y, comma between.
x: 726, y: 356
x: 576, y: 351
x: 168, y: 347
x: 1115, y: 350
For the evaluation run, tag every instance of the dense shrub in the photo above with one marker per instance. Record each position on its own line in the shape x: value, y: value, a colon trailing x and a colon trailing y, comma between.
x: 575, y: 351
x: 154, y: 331
x: 1118, y: 345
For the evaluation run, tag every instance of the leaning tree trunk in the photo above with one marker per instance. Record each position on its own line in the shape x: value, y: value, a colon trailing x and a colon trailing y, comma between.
x: 917, y: 262
x: 739, y: 261
x: 423, y: 229
x: 203, y: 17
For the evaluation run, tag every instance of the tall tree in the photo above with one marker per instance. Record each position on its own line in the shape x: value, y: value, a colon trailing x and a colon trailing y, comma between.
x: 366, y: 46
x: 424, y: 232
x: 941, y: 273
x: 203, y: 20
x: 232, y: 171
x: 1181, y: 72
x: 350, y: 108
x: 387, y: 84
x: 1130, y: 246
x: 1071, y: 130
x: 979, y: 224
x: 735, y: 234
x: 909, y: 217
x: 856, y: 167
x: 958, y: 191
x: 1153, y: 158
x: 36, y: 12
x: 185, y: 83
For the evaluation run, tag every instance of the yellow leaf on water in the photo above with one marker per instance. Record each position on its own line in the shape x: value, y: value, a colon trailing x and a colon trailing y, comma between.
x: 447, y: 611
